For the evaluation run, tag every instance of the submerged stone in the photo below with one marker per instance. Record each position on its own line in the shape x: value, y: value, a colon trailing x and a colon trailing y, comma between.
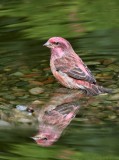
x: 18, y: 74
x: 36, y: 91
x: 21, y: 107
x: 4, y: 124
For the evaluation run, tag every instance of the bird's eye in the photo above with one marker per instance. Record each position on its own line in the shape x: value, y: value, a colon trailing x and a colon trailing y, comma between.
x: 44, y: 138
x: 56, y: 43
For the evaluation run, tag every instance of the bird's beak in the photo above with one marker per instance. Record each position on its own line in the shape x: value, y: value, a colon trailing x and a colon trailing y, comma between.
x: 34, y: 138
x: 47, y: 44
x: 37, y: 137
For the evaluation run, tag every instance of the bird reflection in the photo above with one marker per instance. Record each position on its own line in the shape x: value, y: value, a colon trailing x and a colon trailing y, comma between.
x: 55, y: 116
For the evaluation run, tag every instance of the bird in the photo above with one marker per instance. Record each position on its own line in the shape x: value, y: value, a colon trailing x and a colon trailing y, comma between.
x: 69, y: 69
x: 53, y: 121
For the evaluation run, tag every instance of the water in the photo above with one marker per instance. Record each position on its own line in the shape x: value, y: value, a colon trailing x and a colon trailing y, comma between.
x: 78, y: 142
x: 92, y: 29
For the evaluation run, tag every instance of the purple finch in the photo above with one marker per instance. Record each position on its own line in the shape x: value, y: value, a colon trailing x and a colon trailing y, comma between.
x: 55, y: 115
x: 69, y: 69
x: 53, y: 121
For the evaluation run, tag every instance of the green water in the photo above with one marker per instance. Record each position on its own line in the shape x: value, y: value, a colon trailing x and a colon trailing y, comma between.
x: 92, y: 27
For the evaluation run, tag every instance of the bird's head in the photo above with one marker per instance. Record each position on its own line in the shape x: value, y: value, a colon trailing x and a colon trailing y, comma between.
x: 46, y: 137
x: 57, y: 42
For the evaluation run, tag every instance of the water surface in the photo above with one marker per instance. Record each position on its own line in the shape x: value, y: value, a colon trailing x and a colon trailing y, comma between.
x: 92, y: 29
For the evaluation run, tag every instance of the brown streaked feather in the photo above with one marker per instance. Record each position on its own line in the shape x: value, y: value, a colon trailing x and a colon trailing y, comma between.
x: 73, y: 70
x: 61, y: 114
x: 78, y: 74
x: 95, y: 90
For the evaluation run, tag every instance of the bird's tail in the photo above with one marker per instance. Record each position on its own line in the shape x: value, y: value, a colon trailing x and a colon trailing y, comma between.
x: 96, y: 90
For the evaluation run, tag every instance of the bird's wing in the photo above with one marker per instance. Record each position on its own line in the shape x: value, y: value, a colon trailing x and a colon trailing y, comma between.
x: 66, y: 108
x: 79, y: 74
x: 77, y: 70
x: 61, y: 116
x: 63, y: 109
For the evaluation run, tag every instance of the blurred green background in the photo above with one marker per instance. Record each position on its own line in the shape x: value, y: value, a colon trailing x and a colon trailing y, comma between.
x: 92, y: 27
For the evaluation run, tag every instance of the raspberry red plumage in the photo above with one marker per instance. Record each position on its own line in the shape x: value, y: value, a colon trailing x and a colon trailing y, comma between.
x: 53, y: 122
x: 69, y: 69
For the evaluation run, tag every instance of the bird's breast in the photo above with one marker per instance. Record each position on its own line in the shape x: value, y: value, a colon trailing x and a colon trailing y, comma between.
x: 63, y: 78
